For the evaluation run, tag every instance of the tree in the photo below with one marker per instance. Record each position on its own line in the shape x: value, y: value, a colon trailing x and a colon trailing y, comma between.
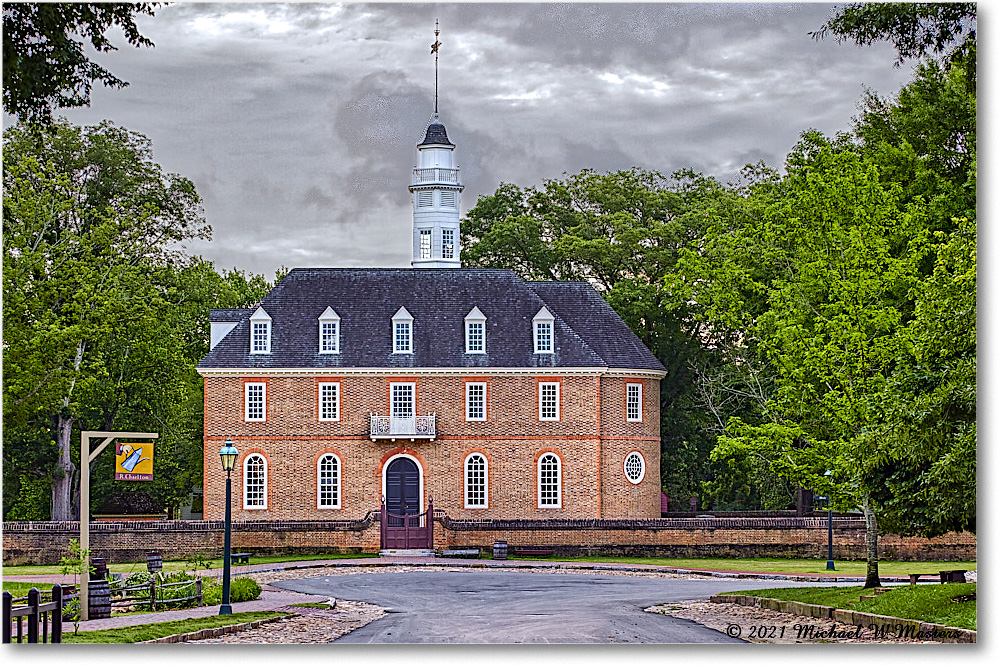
x: 915, y: 29
x: 45, y: 68
x: 88, y: 219
x: 832, y: 262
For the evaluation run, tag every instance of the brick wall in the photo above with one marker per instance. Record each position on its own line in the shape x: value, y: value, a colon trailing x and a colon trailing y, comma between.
x: 46, y: 542
x: 592, y: 439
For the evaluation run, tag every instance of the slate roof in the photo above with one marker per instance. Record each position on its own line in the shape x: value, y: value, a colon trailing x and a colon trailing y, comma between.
x: 436, y: 134
x: 229, y: 314
x: 588, y: 332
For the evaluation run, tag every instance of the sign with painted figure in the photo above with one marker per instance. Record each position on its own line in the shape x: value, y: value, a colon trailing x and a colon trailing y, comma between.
x: 134, y: 461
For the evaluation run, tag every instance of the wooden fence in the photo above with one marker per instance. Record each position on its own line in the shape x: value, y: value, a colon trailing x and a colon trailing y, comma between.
x: 34, y: 611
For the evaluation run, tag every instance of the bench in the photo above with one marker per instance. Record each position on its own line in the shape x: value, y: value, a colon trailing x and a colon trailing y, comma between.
x: 241, y: 558
x: 532, y: 552
x: 460, y: 553
x: 947, y: 576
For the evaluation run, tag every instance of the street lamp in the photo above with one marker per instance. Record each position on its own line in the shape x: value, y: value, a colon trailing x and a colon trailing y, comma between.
x: 228, y: 454
x: 829, y: 523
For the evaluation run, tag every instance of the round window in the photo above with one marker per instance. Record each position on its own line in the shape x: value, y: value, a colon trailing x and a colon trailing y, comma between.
x: 635, y: 467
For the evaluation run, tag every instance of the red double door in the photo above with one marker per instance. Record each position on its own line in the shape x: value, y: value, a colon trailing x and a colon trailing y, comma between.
x: 404, y: 526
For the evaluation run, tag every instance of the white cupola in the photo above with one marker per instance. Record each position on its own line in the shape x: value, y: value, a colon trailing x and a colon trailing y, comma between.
x: 436, y: 194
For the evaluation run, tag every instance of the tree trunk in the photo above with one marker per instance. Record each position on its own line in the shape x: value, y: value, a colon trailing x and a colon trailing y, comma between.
x: 62, y: 477
x: 871, y: 541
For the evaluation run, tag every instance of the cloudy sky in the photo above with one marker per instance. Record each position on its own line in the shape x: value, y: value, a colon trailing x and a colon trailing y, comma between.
x: 298, y: 122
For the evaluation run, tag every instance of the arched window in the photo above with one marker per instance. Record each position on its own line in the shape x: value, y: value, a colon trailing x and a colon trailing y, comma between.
x: 549, y: 481
x: 328, y: 482
x: 476, y: 480
x: 255, y: 482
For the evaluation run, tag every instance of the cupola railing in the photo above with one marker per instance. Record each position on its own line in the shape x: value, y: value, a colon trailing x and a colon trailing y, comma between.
x: 435, y: 175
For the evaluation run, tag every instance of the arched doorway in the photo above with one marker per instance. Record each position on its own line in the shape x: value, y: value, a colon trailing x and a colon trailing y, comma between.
x: 404, y: 526
x: 402, y: 488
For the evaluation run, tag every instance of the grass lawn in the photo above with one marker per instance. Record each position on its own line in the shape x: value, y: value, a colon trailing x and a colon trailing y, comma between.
x: 20, y: 588
x: 932, y: 603
x: 139, y: 633
x: 792, y: 565
x: 178, y: 565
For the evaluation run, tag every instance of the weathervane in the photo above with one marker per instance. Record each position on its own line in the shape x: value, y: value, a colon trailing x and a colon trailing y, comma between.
x: 434, y: 49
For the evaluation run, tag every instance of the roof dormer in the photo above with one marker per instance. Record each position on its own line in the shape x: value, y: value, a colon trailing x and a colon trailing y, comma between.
x: 543, y: 329
x: 475, y: 332
x: 402, y: 332
x: 260, y: 332
x: 329, y: 332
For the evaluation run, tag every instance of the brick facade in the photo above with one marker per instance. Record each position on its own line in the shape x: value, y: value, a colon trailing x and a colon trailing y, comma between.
x: 591, y: 439
x: 45, y: 542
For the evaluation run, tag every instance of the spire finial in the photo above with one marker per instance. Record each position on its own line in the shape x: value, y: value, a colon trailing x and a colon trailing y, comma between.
x: 434, y: 49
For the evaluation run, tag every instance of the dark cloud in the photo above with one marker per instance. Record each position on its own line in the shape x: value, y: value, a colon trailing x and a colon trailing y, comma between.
x: 298, y: 122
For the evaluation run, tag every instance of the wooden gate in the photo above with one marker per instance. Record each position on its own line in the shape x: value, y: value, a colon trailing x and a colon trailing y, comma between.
x: 407, y: 531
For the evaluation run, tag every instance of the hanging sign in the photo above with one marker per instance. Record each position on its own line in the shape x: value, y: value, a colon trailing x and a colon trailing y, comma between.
x: 134, y: 461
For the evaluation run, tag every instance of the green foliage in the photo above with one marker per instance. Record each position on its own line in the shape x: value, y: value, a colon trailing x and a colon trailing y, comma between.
x: 76, y: 562
x: 243, y: 589
x: 915, y: 29
x: 104, y: 317
x: 45, y: 68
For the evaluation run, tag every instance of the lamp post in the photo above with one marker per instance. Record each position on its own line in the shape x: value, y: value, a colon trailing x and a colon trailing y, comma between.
x: 829, y: 524
x: 228, y: 454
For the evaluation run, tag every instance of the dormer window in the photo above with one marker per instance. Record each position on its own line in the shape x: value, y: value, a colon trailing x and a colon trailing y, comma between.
x: 543, y: 325
x: 329, y: 332
x: 402, y: 332
x: 475, y: 332
x: 260, y: 332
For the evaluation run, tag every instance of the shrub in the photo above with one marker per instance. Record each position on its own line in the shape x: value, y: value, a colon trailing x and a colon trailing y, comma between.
x: 243, y: 589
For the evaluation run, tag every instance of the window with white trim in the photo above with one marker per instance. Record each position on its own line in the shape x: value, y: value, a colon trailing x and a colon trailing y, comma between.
x: 329, y: 332
x: 255, y: 482
x: 543, y: 326
x: 633, y: 402
x: 255, y: 401
x: 635, y: 467
x: 402, y: 399
x: 549, y: 481
x: 475, y: 401
x: 425, y: 198
x: 260, y: 332
x: 548, y: 401
x: 476, y: 480
x: 475, y: 332
x: 425, y: 244
x: 402, y: 332
x: 329, y: 401
x: 328, y: 482
x: 449, y: 199
x: 448, y: 243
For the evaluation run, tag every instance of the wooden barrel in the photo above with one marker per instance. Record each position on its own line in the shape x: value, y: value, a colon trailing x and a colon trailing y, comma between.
x: 154, y: 561
x: 500, y: 550
x: 100, y: 567
x: 99, y: 599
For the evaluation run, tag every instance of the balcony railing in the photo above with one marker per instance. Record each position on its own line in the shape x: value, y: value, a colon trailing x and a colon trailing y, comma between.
x: 435, y: 175
x: 384, y: 427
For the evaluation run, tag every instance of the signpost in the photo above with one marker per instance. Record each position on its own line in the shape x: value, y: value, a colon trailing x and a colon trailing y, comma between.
x: 86, y: 456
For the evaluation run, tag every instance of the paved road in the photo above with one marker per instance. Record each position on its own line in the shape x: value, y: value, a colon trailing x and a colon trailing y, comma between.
x: 512, y: 607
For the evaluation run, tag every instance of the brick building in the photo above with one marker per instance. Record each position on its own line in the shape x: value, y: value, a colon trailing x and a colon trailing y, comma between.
x: 497, y: 397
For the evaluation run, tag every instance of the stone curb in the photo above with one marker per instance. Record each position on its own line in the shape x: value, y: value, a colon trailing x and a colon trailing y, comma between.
x: 208, y: 633
x: 574, y: 566
x: 898, y: 626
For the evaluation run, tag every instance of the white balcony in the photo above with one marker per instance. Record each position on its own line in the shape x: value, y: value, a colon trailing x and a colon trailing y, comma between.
x: 384, y: 427
x: 435, y: 175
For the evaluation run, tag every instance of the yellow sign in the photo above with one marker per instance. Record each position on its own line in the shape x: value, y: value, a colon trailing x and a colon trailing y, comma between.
x: 134, y: 461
